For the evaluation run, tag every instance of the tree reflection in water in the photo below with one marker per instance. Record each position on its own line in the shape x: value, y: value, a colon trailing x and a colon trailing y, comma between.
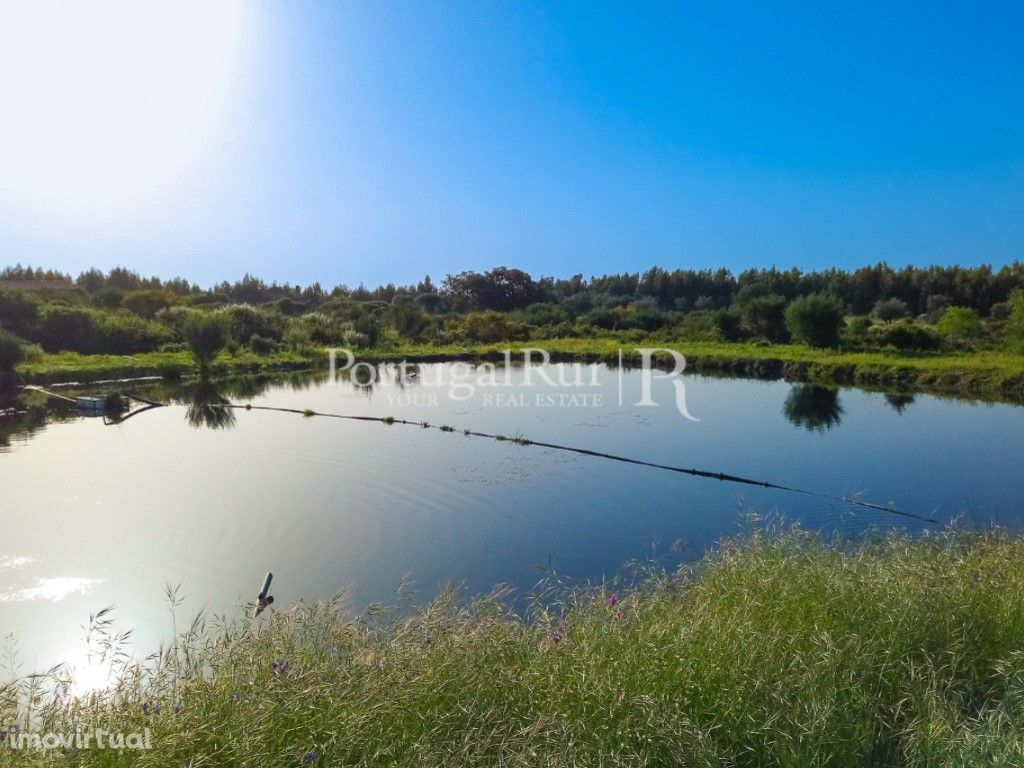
x: 813, y: 407
x: 209, y: 408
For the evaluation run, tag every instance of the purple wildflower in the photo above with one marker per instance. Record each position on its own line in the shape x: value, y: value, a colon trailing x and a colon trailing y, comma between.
x: 558, y: 635
x: 151, y: 709
x: 178, y: 708
x: 310, y: 757
x: 612, y: 600
x: 278, y: 666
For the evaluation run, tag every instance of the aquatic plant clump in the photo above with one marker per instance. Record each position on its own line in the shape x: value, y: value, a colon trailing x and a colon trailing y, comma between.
x: 775, y: 650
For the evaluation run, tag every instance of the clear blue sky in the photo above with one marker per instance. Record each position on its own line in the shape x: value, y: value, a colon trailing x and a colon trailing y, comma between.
x: 375, y: 142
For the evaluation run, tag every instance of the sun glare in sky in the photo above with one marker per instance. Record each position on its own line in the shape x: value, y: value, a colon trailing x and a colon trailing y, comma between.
x: 107, y: 105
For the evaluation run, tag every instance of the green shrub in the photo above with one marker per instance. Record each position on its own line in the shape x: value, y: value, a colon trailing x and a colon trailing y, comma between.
x: 729, y: 324
x: 959, y: 323
x: 62, y: 327
x: 857, y: 330
x: 206, y: 335
x: 12, y: 350
x: 890, y: 309
x: 765, y: 316
x: 245, y: 320
x: 601, y: 317
x: 491, y: 326
x: 904, y: 334
x: 123, y: 333
x: 19, y: 311
x: 1000, y: 311
x: 92, y: 331
x: 407, y: 317
x: 697, y: 326
x: 147, y: 303
x: 815, y: 320
x: 262, y: 345
x: 1015, y: 320
x: 544, y: 314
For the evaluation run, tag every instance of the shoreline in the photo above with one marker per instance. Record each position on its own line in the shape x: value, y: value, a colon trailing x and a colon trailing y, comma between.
x: 773, y: 649
x: 987, y: 375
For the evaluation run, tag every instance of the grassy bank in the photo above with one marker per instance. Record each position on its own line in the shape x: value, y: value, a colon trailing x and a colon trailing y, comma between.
x: 987, y: 374
x: 71, y: 366
x: 773, y: 651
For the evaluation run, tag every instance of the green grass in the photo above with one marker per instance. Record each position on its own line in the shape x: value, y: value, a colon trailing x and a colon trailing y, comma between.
x: 994, y: 374
x: 71, y: 366
x: 774, y: 651
x: 983, y: 374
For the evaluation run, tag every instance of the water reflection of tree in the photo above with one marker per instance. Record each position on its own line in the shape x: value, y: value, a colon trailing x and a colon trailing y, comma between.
x: 209, y: 408
x: 813, y: 407
x: 899, y: 401
x: 23, y: 415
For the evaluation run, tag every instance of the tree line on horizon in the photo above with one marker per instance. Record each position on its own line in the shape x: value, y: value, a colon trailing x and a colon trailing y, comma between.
x: 878, y: 306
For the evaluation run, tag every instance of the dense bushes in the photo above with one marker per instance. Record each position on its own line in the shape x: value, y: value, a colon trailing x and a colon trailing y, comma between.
x: 872, y: 308
x: 959, y: 323
x: 490, y: 327
x: 816, y: 320
x: 12, y: 351
x: 1015, y: 319
x: 92, y: 331
x: 19, y: 311
x: 904, y: 335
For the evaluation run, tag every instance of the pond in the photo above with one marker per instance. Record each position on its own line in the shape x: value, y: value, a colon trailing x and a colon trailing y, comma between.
x: 99, y: 514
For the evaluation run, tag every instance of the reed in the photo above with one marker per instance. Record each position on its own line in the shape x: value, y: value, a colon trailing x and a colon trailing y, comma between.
x: 777, y: 649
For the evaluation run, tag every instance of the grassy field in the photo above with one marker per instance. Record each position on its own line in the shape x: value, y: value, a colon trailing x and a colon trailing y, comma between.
x: 986, y: 374
x: 775, y: 650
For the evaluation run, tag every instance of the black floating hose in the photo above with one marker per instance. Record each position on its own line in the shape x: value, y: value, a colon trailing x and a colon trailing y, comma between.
x: 722, y: 476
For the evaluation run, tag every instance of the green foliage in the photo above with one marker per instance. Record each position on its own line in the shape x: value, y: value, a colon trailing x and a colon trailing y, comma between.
x: 122, y: 312
x: 959, y: 323
x: 857, y: 330
x: 206, y: 335
x: 245, y: 320
x: 490, y: 327
x: 764, y: 316
x: 815, y: 320
x: 126, y: 334
x: 773, y: 651
x: 602, y: 317
x: 12, y: 350
x: 904, y: 334
x: 500, y: 289
x: 92, y: 331
x: 64, y: 327
x: 431, y: 302
x: 890, y: 309
x: 545, y: 313
x: 262, y: 345
x: 1015, y: 320
x: 19, y: 310
x: 408, y: 318
x: 729, y: 324
x: 146, y: 303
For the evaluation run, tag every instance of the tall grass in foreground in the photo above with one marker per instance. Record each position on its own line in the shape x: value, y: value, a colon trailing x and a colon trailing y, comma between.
x: 775, y: 650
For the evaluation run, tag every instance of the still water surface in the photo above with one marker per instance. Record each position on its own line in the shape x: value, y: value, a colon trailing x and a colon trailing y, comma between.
x: 95, y: 515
